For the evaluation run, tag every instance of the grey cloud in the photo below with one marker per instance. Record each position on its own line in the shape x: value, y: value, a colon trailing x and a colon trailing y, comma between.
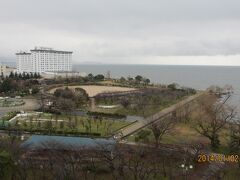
x: 126, y: 28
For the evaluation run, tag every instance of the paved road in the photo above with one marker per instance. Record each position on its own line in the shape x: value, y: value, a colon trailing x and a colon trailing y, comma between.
x: 141, y: 124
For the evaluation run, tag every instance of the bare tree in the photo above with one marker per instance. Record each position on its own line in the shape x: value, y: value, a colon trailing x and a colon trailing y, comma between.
x: 183, y: 113
x: 235, y: 137
x: 138, y: 166
x: 141, y: 104
x: 211, y: 117
x: 161, y: 127
x: 125, y: 102
x: 147, y: 162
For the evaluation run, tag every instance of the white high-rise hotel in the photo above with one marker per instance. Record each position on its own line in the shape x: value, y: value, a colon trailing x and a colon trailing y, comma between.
x: 43, y: 59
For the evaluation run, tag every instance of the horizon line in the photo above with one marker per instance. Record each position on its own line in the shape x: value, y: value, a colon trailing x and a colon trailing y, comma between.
x: 141, y: 64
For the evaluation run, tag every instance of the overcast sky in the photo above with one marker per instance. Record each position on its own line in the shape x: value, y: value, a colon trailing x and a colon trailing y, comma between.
x: 125, y: 31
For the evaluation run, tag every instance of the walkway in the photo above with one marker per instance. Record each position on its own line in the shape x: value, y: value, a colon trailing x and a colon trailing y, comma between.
x: 141, y: 124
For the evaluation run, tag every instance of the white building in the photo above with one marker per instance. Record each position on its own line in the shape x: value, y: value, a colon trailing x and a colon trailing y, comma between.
x: 43, y: 59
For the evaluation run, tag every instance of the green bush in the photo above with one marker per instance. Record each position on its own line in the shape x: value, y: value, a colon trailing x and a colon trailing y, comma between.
x: 143, y: 135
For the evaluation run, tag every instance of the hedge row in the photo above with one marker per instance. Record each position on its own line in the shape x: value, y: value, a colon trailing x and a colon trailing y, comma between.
x: 47, y: 132
x: 108, y: 115
x: 9, y: 115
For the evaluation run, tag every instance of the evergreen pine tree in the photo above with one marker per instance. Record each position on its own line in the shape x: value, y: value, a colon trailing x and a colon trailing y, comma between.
x: 16, y: 75
x: 11, y: 75
x: 20, y: 76
x: 31, y: 75
x: 24, y: 75
x: 27, y: 76
x: 35, y: 75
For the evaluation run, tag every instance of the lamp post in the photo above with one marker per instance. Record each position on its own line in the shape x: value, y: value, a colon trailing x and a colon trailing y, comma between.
x: 186, y: 168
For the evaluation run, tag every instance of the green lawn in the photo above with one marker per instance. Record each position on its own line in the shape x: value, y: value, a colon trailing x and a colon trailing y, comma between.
x: 71, y: 123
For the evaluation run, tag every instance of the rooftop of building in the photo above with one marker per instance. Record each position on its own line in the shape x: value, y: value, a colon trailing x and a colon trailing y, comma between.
x: 45, y: 142
x: 47, y: 49
x: 43, y: 49
x: 23, y: 53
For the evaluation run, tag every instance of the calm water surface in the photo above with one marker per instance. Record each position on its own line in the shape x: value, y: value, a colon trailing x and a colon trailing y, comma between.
x: 198, y: 77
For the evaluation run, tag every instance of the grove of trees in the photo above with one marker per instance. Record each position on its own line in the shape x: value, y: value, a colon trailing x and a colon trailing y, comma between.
x: 19, y: 84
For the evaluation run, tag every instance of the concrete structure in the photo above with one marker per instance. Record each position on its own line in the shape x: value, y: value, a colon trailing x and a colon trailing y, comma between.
x: 5, y: 70
x: 62, y: 74
x: 42, y: 59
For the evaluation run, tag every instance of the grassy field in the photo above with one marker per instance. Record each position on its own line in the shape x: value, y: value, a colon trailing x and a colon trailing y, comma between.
x: 136, y: 110
x: 147, y: 110
x: 183, y: 133
x: 146, y: 103
x: 71, y: 123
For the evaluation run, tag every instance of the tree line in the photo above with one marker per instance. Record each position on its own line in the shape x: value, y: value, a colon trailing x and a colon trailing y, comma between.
x: 23, y: 76
x: 103, y: 161
x: 19, y: 84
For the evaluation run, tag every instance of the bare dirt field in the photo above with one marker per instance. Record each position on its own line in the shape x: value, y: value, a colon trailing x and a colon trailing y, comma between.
x: 93, y: 90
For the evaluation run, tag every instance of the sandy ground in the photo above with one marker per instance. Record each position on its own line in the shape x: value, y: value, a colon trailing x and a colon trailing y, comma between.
x: 93, y: 90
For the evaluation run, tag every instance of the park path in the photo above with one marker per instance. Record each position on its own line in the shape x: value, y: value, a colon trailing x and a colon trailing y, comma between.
x: 149, y: 120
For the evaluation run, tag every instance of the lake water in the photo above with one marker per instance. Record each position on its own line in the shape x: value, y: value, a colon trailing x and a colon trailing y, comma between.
x: 198, y: 77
